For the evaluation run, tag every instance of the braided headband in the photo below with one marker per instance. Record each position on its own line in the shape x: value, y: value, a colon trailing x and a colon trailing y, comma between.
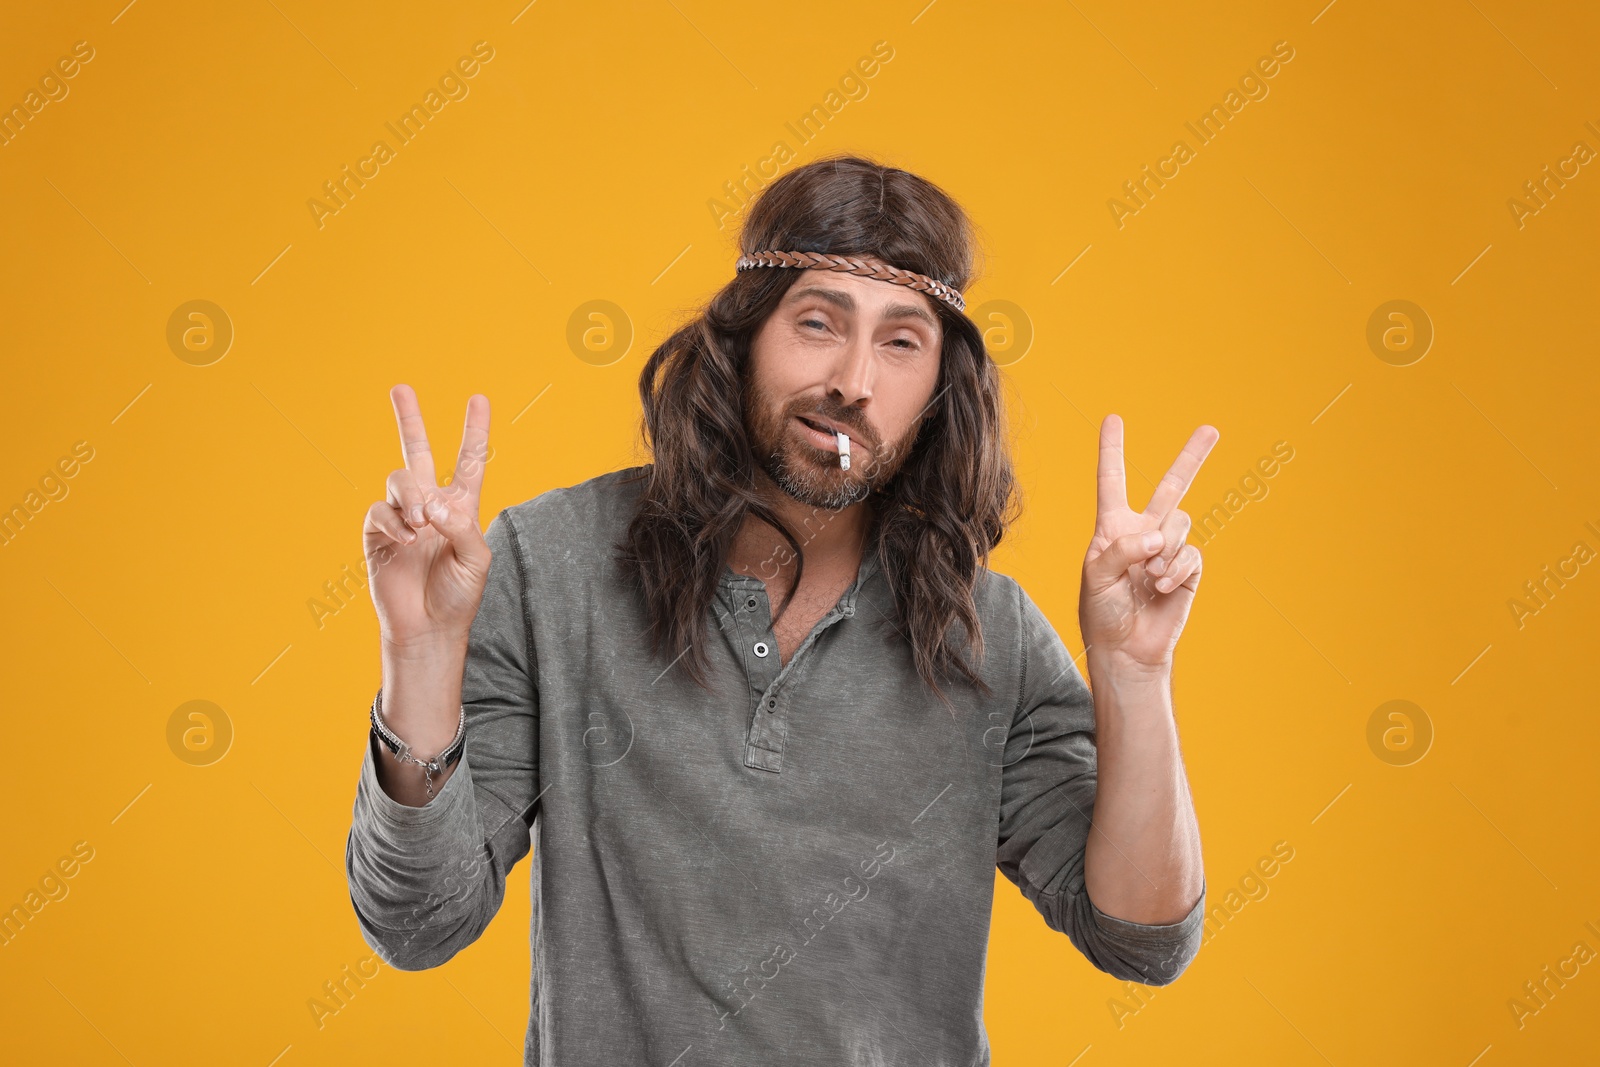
x: 865, y: 266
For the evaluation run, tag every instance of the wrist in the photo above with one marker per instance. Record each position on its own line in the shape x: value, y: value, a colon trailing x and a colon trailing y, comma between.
x: 424, y: 651
x: 1129, y: 697
x: 421, y: 693
x: 1125, y: 671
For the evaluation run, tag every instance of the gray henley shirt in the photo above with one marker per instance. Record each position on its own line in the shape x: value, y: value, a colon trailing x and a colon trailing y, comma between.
x: 797, y: 869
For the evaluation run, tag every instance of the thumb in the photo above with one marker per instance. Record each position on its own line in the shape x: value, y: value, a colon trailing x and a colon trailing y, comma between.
x: 1111, y: 564
x: 460, y: 528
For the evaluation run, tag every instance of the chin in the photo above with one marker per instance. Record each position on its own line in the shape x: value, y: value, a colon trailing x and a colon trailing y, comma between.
x: 806, y: 475
x: 833, y: 500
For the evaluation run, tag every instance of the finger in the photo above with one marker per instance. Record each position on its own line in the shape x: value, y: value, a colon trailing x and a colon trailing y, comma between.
x: 1181, y: 474
x: 413, y: 436
x: 407, y: 497
x: 1185, y: 570
x: 1109, y: 566
x: 384, y: 521
x: 1112, y: 492
x: 1175, y: 530
x: 468, y: 476
x: 459, y: 528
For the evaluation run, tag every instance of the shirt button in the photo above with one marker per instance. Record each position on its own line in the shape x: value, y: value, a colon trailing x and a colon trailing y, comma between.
x: 751, y: 603
x: 771, y: 703
x: 761, y: 649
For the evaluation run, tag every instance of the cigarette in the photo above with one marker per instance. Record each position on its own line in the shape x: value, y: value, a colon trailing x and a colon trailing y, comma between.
x: 844, y: 450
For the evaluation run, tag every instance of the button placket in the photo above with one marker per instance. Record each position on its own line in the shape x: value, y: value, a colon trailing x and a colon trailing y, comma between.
x: 754, y: 642
x: 769, y: 730
x: 764, y: 741
x: 752, y: 627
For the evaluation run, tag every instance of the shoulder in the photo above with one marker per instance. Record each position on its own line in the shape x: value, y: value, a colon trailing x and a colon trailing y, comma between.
x: 605, y: 497
x: 1003, y: 600
x: 584, y: 520
x: 1032, y: 650
x: 999, y: 600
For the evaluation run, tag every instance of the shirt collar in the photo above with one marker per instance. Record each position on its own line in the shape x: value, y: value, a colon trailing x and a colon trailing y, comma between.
x: 869, y: 566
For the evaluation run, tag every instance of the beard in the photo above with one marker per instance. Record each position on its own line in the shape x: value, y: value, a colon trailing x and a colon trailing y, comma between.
x: 810, y: 474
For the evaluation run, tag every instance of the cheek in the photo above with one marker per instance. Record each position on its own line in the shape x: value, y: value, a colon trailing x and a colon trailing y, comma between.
x: 913, y: 396
x: 920, y: 383
x: 797, y: 378
x: 781, y: 359
x: 780, y: 382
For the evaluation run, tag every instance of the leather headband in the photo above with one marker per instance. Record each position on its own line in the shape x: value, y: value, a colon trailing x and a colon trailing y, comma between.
x: 865, y: 266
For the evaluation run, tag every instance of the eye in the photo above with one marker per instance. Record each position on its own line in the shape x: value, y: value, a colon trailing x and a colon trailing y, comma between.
x: 908, y: 343
x: 814, y: 322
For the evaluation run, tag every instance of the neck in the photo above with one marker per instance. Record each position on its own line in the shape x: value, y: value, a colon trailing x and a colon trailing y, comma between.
x: 833, y: 541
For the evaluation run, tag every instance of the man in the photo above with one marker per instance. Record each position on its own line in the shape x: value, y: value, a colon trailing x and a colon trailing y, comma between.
x: 771, y: 721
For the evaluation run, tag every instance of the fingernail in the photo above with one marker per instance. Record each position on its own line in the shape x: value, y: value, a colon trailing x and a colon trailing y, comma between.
x: 440, y: 512
x: 1164, y: 584
x: 1152, y: 539
x: 416, y: 515
x: 1157, y: 565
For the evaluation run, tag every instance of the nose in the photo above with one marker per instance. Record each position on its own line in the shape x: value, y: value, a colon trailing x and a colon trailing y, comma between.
x: 851, y: 377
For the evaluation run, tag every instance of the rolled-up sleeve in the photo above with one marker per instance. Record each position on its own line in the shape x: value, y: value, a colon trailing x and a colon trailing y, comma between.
x: 1046, y: 803
x: 425, y: 881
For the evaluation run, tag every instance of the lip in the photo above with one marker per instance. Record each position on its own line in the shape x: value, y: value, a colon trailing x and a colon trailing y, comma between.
x: 824, y: 440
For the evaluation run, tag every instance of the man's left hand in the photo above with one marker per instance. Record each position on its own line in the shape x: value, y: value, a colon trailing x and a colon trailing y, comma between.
x: 1136, y: 594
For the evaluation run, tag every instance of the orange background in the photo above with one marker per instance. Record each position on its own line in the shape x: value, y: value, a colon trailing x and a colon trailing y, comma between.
x: 179, y: 563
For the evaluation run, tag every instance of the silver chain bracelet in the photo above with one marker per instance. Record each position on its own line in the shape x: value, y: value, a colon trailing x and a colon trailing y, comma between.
x: 402, y: 751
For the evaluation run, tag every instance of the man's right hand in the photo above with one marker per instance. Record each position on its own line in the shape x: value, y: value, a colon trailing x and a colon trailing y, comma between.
x: 427, y: 566
x: 426, y: 558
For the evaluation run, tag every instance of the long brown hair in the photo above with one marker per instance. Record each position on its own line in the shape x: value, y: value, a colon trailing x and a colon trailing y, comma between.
x: 934, y: 522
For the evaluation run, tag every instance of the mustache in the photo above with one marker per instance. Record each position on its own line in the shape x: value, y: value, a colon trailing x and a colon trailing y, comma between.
x: 850, y: 419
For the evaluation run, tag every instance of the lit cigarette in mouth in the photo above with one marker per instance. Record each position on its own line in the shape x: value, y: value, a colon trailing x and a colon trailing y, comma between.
x: 844, y: 450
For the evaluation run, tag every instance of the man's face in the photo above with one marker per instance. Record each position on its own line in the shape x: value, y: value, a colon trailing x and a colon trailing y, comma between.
x: 857, y: 353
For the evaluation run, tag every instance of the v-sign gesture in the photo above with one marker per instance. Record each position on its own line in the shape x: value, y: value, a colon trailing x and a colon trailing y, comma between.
x: 1139, y: 575
x: 426, y: 556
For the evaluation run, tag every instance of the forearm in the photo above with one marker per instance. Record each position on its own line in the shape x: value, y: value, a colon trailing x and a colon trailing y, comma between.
x: 427, y: 875
x: 422, y: 705
x: 1142, y: 861
x: 423, y: 878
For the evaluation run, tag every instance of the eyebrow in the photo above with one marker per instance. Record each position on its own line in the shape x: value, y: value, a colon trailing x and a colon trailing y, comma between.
x: 844, y: 300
